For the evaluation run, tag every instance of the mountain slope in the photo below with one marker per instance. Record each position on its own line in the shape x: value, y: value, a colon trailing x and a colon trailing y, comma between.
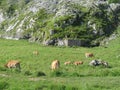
x: 49, y: 21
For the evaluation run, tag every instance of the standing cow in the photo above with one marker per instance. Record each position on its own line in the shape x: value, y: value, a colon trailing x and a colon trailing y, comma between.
x: 55, y: 65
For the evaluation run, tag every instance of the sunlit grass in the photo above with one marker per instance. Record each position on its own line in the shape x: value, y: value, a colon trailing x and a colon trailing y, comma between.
x: 37, y: 75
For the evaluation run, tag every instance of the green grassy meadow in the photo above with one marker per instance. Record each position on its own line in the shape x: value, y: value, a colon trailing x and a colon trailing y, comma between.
x: 36, y: 73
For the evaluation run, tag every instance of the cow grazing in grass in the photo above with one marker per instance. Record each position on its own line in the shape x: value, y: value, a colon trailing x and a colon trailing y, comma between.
x: 89, y: 55
x: 98, y: 62
x: 13, y: 64
x: 55, y: 65
x: 67, y: 63
x: 94, y: 63
x: 78, y: 63
x: 35, y: 52
x: 104, y: 63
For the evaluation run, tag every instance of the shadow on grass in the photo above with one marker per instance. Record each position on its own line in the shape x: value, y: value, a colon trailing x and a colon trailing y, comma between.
x: 3, y: 85
x: 40, y: 73
x: 2, y: 69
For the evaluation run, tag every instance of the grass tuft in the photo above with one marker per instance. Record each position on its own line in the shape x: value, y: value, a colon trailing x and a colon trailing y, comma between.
x: 57, y: 87
x: 27, y: 73
x: 2, y: 69
x: 3, y: 85
x: 56, y: 73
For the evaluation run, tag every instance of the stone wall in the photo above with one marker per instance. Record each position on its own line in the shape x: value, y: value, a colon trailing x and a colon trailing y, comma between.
x: 71, y: 42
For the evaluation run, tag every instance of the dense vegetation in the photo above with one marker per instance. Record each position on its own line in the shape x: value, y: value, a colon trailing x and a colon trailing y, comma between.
x: 87, y: 23
x: 10, y: 6
x: 74, y: 26
x: 113, y: 1
x: 36, y: 73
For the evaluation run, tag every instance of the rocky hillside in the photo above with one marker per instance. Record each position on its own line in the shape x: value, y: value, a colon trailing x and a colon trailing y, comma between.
x: 51, y: 21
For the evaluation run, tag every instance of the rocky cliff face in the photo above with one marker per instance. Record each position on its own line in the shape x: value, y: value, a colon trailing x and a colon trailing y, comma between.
x: 47, y: 21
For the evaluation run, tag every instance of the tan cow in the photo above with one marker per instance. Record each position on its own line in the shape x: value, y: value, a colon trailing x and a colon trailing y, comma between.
x: 13, y: 64
x: 55, y: 65
x: 89, y: 55
x: 35, y: 52
x: 78, y: 62
x: 67, y: 63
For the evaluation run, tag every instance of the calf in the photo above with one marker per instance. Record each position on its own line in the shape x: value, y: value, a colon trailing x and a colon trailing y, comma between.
x: 35, y: 52
x: 89, y: 55
x: 13, y: 64
x: 55, y: 65
x: 78, y: 62
x: 67, y: 63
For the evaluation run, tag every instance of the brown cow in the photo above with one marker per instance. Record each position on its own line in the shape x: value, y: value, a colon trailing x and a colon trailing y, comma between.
x: 55, y: 65
x: 13, y: 64
x: 89, y: 55
x: 78, y: 62
x: 67, y: 63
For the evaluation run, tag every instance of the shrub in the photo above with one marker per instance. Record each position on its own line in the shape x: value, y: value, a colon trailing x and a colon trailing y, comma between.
x: 114, y: 1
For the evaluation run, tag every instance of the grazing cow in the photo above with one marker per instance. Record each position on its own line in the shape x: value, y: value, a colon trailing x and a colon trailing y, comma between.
x: 94, y: 63
x: 67, y: 63
x: 98, y: 62
x: 55, y: 65
x: 105, y: 64
x: 78, y: 62
x: 13, y: 64
x: 89, y: 55
x: 35, y: 52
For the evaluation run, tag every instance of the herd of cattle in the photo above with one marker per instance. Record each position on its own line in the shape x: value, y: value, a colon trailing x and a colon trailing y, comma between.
x: 56, y: 63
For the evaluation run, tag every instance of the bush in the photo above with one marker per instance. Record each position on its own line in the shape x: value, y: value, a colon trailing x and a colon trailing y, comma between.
x: 114, y: 1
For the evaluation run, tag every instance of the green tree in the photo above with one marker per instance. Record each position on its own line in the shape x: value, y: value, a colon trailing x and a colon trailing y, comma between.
x: 114, y: 1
